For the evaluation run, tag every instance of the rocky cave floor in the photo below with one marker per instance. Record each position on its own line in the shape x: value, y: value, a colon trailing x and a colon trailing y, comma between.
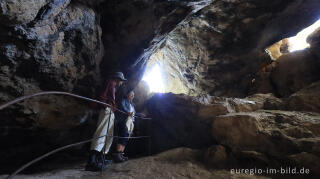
x: 176, y: 163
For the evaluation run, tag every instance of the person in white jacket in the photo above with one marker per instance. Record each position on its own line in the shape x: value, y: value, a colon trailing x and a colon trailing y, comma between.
x: 100, y: 145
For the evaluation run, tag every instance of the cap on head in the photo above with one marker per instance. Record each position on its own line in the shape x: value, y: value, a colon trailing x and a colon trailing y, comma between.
x: 118, y: 75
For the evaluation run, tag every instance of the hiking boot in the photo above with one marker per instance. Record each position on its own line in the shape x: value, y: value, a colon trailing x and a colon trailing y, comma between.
x: 95, y: 162
x: 124, y: 157
x: 118, y: 157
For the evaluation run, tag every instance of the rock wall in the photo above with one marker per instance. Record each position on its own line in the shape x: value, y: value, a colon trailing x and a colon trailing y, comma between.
x: 70, y: 46
x: 45, y: 46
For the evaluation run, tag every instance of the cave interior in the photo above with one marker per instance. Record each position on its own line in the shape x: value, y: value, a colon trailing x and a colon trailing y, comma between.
x: 225, y: 84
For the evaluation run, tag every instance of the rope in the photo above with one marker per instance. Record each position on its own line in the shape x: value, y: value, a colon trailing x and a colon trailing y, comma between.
x: 70, y: 145
x: 65, y: 147
x: 62, y: 93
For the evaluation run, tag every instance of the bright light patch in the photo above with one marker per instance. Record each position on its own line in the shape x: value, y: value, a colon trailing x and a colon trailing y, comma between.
x: 154, y: 79
x: 299, y: 42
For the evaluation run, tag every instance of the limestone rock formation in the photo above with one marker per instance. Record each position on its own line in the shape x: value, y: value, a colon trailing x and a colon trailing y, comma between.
x: 173, y: 115
x: 291, y: 71
x: 16, y: 12
x: 307, y: 99
x: 281, y: 135
x: 262, y: 128
x: 60, y: 52
x: 218, y: 53
x: 295, y: 71
x: 275, y: 133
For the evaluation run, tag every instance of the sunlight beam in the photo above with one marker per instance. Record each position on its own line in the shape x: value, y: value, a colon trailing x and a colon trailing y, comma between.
x: 154, y: 79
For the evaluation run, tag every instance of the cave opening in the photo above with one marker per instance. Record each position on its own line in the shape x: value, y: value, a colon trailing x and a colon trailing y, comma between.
x: 165, y: 74
x: 292, y: 44
x: 153, y: 77
x: 299, y: 42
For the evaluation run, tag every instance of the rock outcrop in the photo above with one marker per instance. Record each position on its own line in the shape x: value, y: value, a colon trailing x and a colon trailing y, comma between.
x: 262, y: 128
x: 307, y: 99
x: 184, y: 120
x: 291, y: 71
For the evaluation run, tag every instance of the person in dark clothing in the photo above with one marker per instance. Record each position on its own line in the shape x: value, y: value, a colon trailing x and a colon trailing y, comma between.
x: 101, y: 145
x: 125, y: 125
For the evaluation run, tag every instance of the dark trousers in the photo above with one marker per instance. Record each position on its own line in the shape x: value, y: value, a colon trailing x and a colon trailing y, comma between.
x: 123, y: 131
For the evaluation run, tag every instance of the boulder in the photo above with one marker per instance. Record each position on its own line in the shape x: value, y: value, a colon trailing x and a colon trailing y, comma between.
x: 295, y: 71
x: 307, y: 99
x: 275, y: 133
x: 181, y: 120
x: 290, y: 73
x: 175, y: 123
